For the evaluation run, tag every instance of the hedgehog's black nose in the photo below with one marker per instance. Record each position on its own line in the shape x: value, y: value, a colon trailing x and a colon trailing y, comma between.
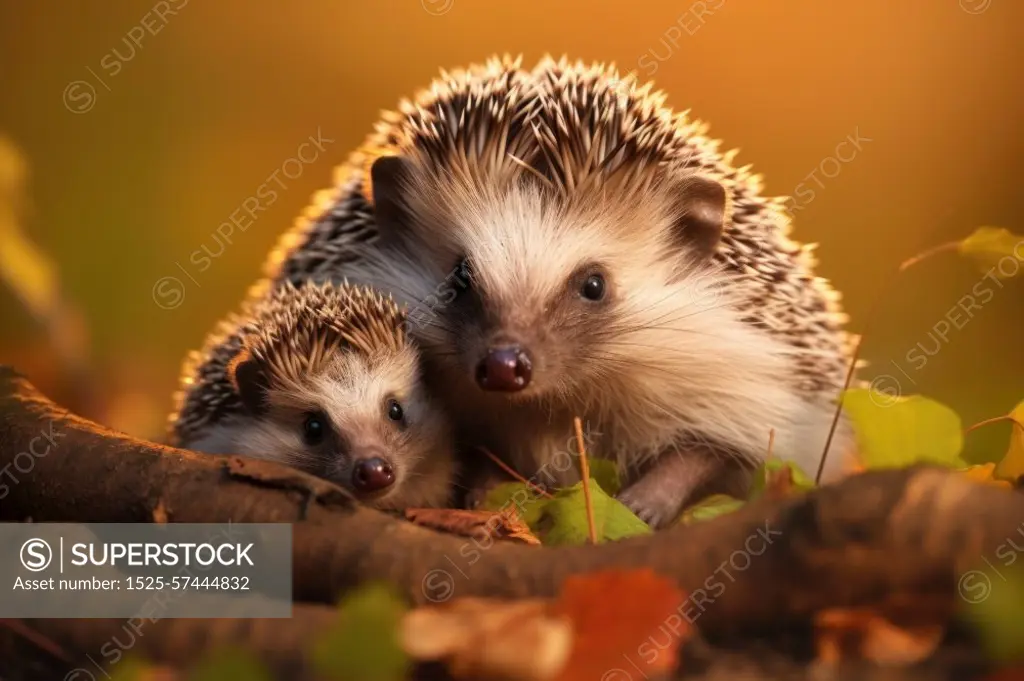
x: 506, y: 369
x: 372, y: 475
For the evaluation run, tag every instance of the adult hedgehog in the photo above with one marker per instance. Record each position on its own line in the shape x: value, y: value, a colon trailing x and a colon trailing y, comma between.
x: 610, y: 263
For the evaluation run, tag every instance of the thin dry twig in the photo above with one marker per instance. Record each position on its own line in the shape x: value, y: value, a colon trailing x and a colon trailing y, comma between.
x: 924, y: 255
x: 585, y: 474
x: 505, y: 467
x: 906, y: 264
x: 995, y: 419
x: 40, y: 641
x: 771, y: 443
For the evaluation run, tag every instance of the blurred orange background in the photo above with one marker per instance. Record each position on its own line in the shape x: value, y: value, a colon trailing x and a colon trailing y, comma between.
x: 145, y: 126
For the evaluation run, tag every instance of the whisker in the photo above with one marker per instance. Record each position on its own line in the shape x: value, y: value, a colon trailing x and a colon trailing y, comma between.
x: 684, y: 314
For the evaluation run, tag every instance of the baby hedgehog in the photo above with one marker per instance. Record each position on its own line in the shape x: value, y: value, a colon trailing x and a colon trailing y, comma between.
x: 322, y: 378
x: 571, y: 246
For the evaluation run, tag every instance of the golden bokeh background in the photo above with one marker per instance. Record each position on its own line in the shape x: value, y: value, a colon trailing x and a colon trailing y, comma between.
x: 143, y: 131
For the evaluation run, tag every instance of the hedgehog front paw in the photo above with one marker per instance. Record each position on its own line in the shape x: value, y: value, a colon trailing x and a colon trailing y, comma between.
x: 655, y: 508
x: 477, y: 495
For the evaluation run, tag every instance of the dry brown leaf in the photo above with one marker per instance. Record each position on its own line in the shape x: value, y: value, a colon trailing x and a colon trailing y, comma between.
x: 160, y: 513
x: 623, y: 619
x: 866, y: 634
x: 482, y: 638
x: 503, y: 524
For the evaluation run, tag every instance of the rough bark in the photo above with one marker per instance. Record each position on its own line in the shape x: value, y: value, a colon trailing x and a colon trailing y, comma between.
x: 97, y: 646
x: 901, y: 536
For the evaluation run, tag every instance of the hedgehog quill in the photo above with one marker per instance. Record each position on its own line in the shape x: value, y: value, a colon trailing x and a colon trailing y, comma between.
x: 325, y: 379
x: 618, y: 267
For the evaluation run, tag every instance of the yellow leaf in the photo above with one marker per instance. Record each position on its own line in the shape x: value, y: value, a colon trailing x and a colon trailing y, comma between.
x: 899, y: 431
x: 30, y: 273
x: 988, y: 246
x: 1012, y: 465
x: 985, y: 473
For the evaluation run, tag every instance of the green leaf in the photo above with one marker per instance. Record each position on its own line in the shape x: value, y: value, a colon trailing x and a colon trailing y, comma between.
x: 606, y: 474
x: 1011, y: 466
x: 563, y: 519
x: 528, y: 503
x: 801, y: 480
x: 230, y: 664
x: 895, y: 431
x: 131, y: 668
x: 993, y: 602
x: 987, y: 246
x: 711, y: 507
x: 363, y: 645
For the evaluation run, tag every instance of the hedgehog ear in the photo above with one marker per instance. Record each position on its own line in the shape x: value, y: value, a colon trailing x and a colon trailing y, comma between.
x: 250, y: 382
x: 703, y: 213
x: 389, y: 176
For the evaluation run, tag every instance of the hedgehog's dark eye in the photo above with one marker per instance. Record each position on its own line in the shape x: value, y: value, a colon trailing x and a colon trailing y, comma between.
x: 593, y: 287
x: 314, y: 428
x: 395, y: 411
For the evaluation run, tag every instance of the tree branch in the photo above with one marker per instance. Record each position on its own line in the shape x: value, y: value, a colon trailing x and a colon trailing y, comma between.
x: 282, y: 644
x: 903, y: 535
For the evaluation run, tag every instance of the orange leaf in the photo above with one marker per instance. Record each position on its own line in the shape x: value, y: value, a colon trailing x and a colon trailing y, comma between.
x: 986, y: 473
x: 865, y: 634
x: 489, y: 638
x: 622, y: 620
x: 503, y: 524
x: 779, y: 484
x: 160, y: 513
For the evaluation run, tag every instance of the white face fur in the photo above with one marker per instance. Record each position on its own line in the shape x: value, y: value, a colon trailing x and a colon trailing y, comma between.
x: 355, y: 409
x: 663, y: 348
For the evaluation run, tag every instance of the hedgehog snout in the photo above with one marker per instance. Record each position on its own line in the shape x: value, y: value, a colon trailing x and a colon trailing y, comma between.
x: 505, y: 368
x: 373, y: 474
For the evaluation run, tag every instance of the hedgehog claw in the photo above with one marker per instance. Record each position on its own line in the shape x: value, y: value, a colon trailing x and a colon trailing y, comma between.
x: 653, y: 510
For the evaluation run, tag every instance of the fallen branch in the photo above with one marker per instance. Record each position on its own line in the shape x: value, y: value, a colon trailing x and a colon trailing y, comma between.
x: 903, y: 535
x: 282, y: 644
